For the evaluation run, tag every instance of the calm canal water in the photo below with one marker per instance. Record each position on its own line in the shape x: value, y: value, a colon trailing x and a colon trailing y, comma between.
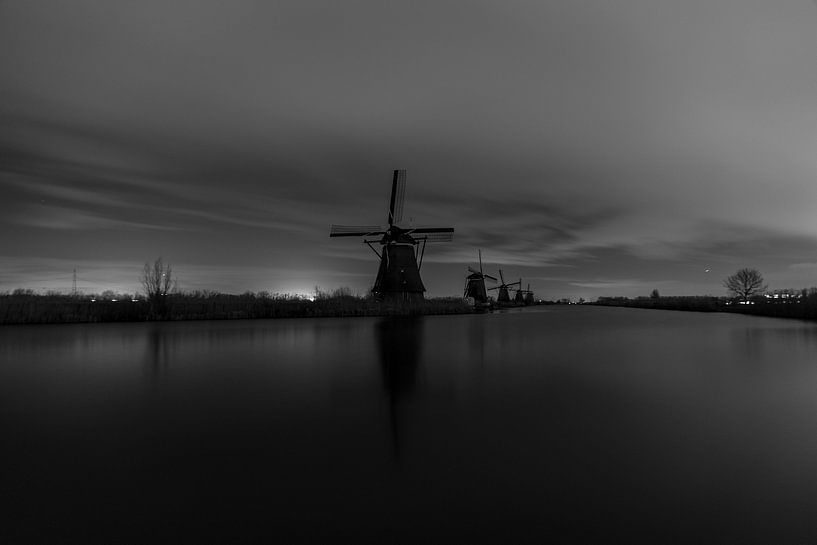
x: 568, y: 424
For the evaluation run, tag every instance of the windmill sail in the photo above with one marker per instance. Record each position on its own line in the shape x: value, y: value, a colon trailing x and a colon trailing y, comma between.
x: 436, y: 237
x: 355, y: 230
x: 398, y: 195
x: 423, y: 230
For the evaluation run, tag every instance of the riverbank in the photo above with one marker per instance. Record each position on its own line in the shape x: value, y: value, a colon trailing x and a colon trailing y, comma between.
x: 800, y: 305
x: 63, y: 309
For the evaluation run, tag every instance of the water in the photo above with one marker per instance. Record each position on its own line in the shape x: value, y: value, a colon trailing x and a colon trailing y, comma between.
x: 568, y: 424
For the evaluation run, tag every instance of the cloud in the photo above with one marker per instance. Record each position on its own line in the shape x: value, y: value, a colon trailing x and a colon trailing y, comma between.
x: 803, y: 266
x: 61, y: 218
x: 612, y: 285
x: 96, y: 190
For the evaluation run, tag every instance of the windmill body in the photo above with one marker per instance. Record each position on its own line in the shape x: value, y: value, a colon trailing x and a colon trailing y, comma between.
x: 475, y: 288
x: 402, y: 249
x: 475, y: 284
x: 398, y: 272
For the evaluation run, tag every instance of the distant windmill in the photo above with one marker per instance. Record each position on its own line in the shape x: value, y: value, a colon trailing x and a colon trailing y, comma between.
x: 402, y: 248
x: 528, y: 296
x: 502, y: 295
x: 475, y: 284
x: 520, y: 294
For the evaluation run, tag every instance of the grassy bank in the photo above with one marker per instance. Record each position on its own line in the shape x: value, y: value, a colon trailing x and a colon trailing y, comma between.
x: 800, y: 304
x: 51, y: 309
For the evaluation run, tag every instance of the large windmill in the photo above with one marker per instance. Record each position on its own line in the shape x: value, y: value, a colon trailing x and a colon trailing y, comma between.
x: 402, y: 248
x: 502, y: 295
x: 475, y: 284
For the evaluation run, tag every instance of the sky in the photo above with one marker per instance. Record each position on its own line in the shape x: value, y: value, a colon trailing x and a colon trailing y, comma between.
x: 590, y: 147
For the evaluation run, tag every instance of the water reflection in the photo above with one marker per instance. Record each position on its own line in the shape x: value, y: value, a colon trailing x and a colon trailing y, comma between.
x: 773, y: 345
x: 400, y: 344
x: 157, y: 353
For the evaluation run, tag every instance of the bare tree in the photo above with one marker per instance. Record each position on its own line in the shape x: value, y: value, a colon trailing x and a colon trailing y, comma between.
x: 157, y: 280
x: 745, y: 283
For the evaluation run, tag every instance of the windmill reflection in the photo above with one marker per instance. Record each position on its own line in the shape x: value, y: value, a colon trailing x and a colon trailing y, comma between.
x: 157, y: 353
x: 400, y: 343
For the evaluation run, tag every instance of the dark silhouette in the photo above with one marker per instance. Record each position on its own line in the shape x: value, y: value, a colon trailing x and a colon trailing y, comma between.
x: 520, y: 294
x: 502, y: 295
x: 528, y: 295
x: 402, y: 248
x: 158, y: 282
x: 26, y: 307
x: 475, y: 284
x: 745, y: 284
x: 799, y: 304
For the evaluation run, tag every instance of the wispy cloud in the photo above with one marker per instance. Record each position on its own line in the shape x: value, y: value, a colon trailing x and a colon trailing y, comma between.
x: 803, y: 266
x: 100, y: 196
x: 610, y: 284
x: 60, y: 218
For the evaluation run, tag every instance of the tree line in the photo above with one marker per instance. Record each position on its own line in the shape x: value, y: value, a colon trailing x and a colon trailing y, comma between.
x: 747, y: 293
x: 163, y: 300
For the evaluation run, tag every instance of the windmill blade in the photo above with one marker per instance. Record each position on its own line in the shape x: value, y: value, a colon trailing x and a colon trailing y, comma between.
x: 355, y: 230
x: 489, y: 277
x: 501, y: 277
x: 423, y: 230
x: 398, y: 195
x: 437, y: 237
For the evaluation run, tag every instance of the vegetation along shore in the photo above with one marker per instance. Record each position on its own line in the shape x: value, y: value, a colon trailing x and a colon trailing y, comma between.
x: 748, y: 294
x: 27, y: 307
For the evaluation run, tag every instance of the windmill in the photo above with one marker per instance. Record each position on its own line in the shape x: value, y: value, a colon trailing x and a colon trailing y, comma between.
x: 475, y: 284
x: 528, y: 295
x: 502, y: 295
x: 402, y: 248
x: 520, y: 294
